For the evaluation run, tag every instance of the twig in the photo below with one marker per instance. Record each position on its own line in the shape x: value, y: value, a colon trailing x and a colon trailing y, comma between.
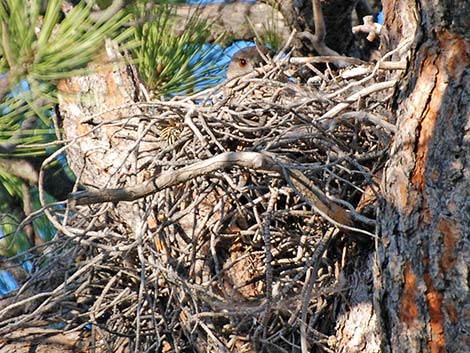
x: 354, y: 97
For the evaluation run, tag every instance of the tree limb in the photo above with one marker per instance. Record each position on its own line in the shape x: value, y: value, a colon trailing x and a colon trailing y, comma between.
x: 252, y: 160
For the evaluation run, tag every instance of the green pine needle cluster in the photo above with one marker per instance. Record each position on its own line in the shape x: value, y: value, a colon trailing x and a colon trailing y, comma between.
x: 170, y: 62
x: 48, y: 48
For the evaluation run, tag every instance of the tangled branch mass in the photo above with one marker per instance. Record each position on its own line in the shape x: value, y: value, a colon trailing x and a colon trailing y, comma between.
x: 219, y: 221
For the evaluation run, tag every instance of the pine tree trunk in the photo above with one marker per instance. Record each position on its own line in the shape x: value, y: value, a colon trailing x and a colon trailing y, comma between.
x: 424, y: 250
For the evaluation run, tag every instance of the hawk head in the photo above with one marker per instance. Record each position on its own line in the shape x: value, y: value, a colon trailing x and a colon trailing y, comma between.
x: 246, y: 60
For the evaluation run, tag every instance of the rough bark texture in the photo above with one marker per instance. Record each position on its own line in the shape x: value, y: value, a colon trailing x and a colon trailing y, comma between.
x: 97, y: 152
x: 426, y: 225
x: 97, y: 96
x: 357, y: 328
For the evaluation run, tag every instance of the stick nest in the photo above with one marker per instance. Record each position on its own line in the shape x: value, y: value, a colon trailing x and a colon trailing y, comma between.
x: 243, y: 251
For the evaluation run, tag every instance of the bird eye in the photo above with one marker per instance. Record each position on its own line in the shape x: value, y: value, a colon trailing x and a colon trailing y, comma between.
x: 242, y: 62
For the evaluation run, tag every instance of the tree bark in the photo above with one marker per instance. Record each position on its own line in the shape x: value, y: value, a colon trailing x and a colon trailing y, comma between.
x: 424, y: 252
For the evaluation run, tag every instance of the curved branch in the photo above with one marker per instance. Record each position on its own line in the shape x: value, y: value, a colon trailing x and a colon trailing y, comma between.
x: 252, y: 160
